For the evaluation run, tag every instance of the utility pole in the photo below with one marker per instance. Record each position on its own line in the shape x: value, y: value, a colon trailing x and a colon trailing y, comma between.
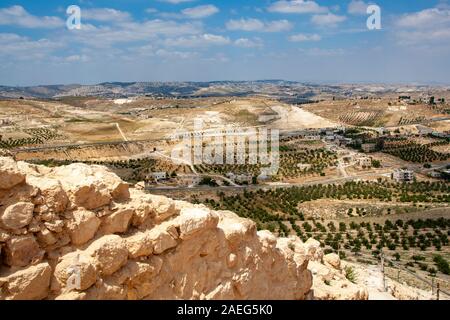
x: 382, y: 271
x: 437, y: 291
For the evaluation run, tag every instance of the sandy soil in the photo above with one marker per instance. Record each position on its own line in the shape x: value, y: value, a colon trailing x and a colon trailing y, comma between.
x: 296, y: 118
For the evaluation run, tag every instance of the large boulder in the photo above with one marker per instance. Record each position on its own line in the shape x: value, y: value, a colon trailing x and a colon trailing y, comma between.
x: 20, y: 251
x: 10, y: 174
x: 91, y: 187
x: 193, y: 220
x: 51, y: 192
x: 83, y: 226
x: 117, y: 222
x: 17, y: 215
x: 154, y: 241
x: 139, y: 245
x: 236, y: 229
x: 31, y: 283
x: 333, y: 260
x: 163, y: 208
x: 75, y: 271
x: 109, y: 253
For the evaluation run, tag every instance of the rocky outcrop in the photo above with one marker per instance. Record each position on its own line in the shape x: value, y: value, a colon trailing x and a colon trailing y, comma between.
x: 78, y: 232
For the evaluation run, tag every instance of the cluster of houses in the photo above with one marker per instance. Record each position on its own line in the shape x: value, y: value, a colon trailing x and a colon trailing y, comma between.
x: 191, y: 180
x: 162, y: 177
x: 328, y: 134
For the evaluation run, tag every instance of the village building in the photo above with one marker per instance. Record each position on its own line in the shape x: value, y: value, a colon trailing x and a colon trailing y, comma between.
x: 365, y: 162
x: 369, y: 147
x: 403, y: 175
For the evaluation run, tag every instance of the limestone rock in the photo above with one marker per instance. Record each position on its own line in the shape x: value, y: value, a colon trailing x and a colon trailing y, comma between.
x: 109, y: 252
x: 46, y: 237
x: 163, y: 208
x: 82, y: 186
x: 76, y: 271
x: 83, y: 226
x: 10, y: 175
x: 162, y: 242
x: 51, y: 192
x: 193, y: 220
x: 333, y: 260
x: 139, y: 245
x: 117, y: 222
x: 31, y: 283
x: 72, y: 296
x: 18, y: 215
x: 154, y: 241
x: 55, y: 226
x: 22, y: 250
x: 91, y: 187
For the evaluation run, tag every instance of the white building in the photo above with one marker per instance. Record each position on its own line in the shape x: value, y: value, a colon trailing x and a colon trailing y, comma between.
x: 365, y: 161
x: 312, y: 137
x: 158, y: 176
x: 189, y: 180
x: 403, y: 175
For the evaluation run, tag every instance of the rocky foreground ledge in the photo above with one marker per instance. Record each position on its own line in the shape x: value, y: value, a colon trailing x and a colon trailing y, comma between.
x: 79, y: 232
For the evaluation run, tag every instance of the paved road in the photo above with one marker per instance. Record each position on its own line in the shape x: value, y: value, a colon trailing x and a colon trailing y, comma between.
x: 280, y: 186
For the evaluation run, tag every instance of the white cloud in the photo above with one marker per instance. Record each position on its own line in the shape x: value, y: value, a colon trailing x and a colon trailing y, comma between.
x: 151, y: 10
x: 77, y: 58
x: 175, y: 54
x: 357, y: 7
x: 297, y: 6
x: 22, y: 48
x: 249, y: 43
x: 258, y: 25
x: 200, y: 11
x: 441, y: 36
x: 304, y: 37
x: 329, y: 19
x: 318, y: 52
x: 203, y: 40
x: 427, y: 18
x: 426, y: 26
x: 105, y: 15
x: 105, y: 36
x: 18, y: 16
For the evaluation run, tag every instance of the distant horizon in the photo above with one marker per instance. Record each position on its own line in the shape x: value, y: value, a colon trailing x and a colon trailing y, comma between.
x: 324, y: 82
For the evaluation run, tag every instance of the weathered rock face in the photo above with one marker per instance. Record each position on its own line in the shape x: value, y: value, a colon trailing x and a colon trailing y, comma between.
x: 78, y: 232
x: 10, y: 175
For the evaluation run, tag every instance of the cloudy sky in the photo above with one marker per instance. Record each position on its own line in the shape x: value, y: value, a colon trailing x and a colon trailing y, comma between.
x: 200, y: 40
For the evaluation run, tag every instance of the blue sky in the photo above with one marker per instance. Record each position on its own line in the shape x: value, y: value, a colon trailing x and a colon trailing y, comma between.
x: 199, y: 40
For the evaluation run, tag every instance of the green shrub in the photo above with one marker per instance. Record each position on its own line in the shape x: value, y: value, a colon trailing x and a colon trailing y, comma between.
x: 350, y: 274
x: 441, y: 264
